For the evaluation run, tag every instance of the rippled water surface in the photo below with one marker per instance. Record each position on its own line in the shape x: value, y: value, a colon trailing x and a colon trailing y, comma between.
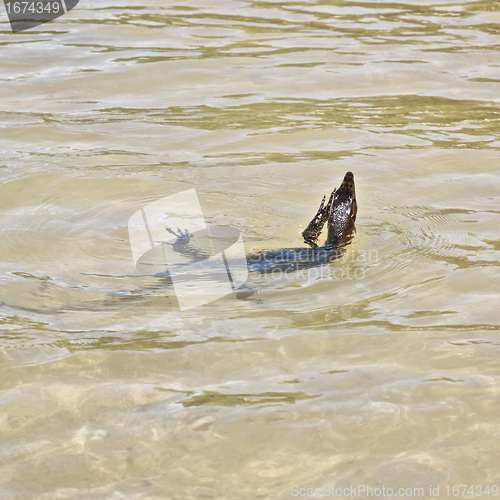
x: 382, y: 370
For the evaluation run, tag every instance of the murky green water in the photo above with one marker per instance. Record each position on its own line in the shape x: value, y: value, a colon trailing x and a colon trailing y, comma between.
x: 382, y: 373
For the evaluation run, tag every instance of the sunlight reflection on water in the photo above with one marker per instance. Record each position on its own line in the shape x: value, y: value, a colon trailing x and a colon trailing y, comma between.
x: 108, y: 390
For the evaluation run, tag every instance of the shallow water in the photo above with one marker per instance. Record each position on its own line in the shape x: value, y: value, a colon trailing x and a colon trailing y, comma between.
x: 381, y: 370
